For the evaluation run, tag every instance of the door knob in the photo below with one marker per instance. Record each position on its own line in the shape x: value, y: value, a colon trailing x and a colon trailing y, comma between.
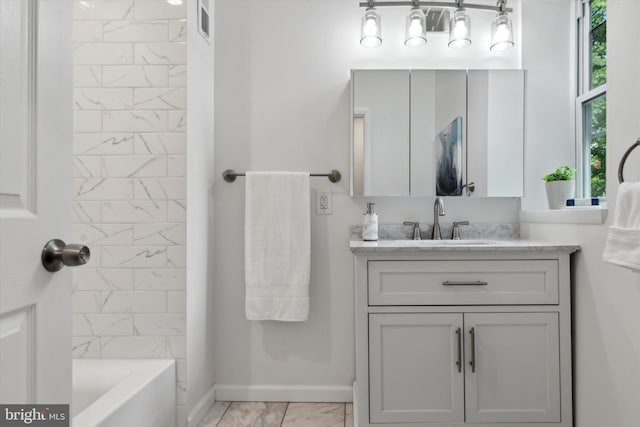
x: 56, y: 254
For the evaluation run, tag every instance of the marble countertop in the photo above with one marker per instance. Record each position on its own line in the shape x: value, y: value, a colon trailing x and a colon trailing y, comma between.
x: 472, y: 245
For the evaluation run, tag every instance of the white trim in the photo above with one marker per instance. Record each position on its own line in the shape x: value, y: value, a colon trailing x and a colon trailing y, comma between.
x: 581, y: 43
x: 283, y: 393
x: 579, y: 215
x: 583, y: 173
x: 365, y: 114
x: 202, y: 407
x: 592, y: 94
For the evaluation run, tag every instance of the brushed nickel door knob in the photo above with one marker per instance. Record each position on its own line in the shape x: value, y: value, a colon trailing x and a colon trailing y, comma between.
x: 56, y: 254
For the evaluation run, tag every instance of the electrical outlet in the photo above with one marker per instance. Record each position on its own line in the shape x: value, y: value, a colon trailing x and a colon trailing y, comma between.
x: 324, y: 204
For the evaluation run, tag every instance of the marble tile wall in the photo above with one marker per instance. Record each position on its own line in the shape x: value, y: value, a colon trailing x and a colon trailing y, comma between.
x: 129, y: 187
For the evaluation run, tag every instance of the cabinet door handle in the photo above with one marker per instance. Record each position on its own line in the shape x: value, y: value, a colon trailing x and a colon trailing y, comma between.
x: 459, y: 361
x: 470, y: 283
x: 472, y: 332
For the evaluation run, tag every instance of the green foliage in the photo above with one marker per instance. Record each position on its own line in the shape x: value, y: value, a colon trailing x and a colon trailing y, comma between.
x: 598, y: 110
x: 599, y: 166
x: 598, y: 42
x: 562, y: 173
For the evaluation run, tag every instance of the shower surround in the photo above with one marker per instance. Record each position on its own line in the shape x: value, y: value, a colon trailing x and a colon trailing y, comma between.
x: 129, y: 157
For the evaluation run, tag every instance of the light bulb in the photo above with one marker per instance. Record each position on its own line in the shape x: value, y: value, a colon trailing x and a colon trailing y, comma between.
x: 370, y: 28
x: 175, y: 2
x: 415, y: 29
x: 460, y: 29
x: 502, y: 32
x: 371, y: 32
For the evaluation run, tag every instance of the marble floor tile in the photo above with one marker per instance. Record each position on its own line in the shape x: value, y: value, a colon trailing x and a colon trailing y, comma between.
x: 214, y: 415
x: 348, y: 415
x: 254, y: 414
x: 314, y: 415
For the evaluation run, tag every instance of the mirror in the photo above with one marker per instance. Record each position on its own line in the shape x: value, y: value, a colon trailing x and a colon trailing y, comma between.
x: 380, y: 122
x: 430, y: 132
x: 438, y: 118
x: 496, y: 132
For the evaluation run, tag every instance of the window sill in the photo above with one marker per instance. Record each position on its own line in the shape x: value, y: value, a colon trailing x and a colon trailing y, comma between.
x: 580, y: 215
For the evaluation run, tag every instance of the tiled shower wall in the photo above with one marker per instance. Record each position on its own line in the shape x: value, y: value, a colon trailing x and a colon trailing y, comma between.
x: 129, y: 181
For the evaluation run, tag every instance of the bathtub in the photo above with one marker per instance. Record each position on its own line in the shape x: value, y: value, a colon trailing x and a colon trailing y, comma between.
x: 123, y: 393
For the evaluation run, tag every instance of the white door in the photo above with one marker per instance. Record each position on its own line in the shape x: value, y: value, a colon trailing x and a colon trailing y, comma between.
x: 513, y: 367
x: 415, y: 365
x: 35, y: 199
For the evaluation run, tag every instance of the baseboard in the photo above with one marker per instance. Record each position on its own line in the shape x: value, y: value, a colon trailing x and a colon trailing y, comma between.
x: 202, y: 407
x: 283, y: 393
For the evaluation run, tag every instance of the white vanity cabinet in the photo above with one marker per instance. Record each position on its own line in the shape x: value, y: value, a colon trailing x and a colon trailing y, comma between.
x: 456, y: 336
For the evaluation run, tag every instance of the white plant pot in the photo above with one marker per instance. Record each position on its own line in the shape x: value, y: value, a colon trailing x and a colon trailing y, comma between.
x: 558, y: 192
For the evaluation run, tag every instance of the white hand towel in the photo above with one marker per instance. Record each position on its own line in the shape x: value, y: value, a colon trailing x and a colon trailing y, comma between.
x: 623, y: 242
x: 277, y: 246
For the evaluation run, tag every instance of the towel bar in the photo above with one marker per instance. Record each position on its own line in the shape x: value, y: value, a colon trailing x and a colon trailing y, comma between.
x: 624, y: 159
x: 334, y: 176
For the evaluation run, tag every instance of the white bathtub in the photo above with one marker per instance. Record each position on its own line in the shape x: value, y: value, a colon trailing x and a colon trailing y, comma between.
x: 123, y: 393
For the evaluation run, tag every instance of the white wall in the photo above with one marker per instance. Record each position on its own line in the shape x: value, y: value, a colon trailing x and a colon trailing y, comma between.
x: 606, y: 298
x: 200, y: 233
x: 282, y: 103
x: 549, y: 93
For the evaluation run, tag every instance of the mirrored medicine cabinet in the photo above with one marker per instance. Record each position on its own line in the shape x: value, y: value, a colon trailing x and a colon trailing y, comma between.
x: 425, y: 133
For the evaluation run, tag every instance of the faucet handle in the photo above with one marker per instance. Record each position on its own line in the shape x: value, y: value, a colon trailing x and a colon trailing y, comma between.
x: 416, y: 229
x: 455, y: 233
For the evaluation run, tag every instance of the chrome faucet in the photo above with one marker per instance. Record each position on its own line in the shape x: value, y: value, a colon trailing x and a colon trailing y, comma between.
x: 416, y: 229
x: 438, y: 210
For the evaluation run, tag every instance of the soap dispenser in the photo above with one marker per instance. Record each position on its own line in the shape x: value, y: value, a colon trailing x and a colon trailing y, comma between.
x: 370, y: 226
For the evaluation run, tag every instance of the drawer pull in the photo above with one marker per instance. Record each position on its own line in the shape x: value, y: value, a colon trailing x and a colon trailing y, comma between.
x: 474, y: 283
x: 472, y: 332
x: 459, y: 361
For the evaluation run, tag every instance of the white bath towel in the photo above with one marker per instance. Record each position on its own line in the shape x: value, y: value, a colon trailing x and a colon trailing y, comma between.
x: 623, y: 242
x: 277, y: 246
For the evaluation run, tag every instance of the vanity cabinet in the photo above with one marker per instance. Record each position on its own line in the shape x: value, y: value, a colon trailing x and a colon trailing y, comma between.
x: 414, y: 374
x: 463, y: 336
x: 441, y: 367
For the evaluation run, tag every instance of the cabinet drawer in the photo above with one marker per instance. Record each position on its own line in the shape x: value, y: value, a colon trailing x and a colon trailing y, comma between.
x: 477, y: 282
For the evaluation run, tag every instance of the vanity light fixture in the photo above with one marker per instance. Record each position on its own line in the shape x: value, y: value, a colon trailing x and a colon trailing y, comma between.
x: 425, y: 17
x: 460, y: 28
x: 415, y: 31
x: 501, y: 30
x: 371, y: 31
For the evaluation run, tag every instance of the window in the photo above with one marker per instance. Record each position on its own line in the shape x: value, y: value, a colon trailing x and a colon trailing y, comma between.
x: 591, y: 102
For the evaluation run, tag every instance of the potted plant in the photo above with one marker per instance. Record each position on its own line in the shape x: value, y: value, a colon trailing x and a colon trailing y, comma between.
x: 560, y: 186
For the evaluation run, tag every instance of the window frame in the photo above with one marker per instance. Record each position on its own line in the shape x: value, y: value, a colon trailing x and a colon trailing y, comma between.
x: 584, y: 95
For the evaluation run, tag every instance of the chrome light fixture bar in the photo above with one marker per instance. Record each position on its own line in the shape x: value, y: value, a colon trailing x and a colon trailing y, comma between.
x: 459, y: 27
x: 453, y: 4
